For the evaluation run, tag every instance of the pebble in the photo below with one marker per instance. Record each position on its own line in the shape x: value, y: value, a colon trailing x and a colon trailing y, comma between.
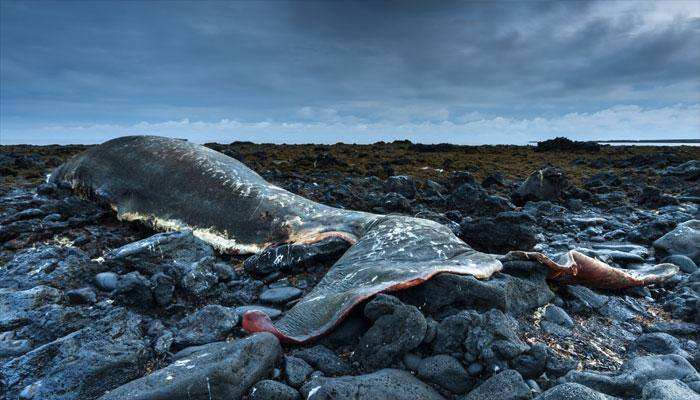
x: 107, y: 280
x: 557, y: 315
x: 280, y: 295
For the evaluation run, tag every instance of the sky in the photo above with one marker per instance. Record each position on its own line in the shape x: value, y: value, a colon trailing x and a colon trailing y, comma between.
x: 353, y: 72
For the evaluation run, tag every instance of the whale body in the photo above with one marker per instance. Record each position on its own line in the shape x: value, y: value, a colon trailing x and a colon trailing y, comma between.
x: 172, y: 184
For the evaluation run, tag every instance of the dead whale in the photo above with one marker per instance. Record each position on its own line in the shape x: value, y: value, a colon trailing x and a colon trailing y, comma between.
x: 172, y: 184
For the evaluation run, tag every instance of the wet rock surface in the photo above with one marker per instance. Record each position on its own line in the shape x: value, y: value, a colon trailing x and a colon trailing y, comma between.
x: 636, y: 373
x: 668, y: 389
x: 209, y: 324
x: 683, y: 240
x: 82, y: 364
x: 93, y: 307
x: 384, y: 384
x: 218, y: 370
x: 507, y: 385
x: 380, y: 346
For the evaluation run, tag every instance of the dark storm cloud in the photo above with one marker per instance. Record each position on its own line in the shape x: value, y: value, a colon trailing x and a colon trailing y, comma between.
x: 511, y: 48
x: 367, y: 62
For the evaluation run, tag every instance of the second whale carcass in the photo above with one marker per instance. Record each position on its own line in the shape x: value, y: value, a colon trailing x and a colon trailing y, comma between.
x: 173, y: 184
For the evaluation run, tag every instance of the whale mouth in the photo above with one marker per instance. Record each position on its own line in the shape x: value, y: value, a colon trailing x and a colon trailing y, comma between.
x: 311, y: 238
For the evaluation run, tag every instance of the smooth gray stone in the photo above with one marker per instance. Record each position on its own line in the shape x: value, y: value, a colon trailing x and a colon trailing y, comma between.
x: 221, y: 370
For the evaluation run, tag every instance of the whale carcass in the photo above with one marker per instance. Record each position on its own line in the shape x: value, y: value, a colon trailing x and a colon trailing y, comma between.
x: 173, y: 184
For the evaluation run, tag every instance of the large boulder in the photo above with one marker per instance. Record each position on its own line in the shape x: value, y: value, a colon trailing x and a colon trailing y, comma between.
x: 689, y: 170
x: 19, y: 307
x: 566, y: 144
x: 83, y: 364
x: 683, y: 240
x: 380, y: 346
x: 221, y: 370
x: 386, y: 384
x: 57, y: 266
x: 683, y: 301
x: 501, y: 234
x: 508, y: 293
x: 546, y: 184
x: 685, y: 264
x: 659, y: 343
x: 52, y: 321
x: 472, y: 199
x: 583, y: 300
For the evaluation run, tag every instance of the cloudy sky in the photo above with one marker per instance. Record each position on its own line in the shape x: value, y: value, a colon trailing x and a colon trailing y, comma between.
x: 299, y: 72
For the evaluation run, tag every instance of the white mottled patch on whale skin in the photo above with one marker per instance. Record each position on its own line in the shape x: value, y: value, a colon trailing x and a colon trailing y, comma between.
x: 218, y: 240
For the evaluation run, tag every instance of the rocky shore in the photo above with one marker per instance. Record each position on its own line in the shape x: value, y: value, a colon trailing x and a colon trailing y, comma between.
x: 95, y: 308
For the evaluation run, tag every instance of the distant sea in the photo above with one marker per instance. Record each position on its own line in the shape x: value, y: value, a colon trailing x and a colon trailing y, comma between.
x: 669, y: 142
x: 654, y: 142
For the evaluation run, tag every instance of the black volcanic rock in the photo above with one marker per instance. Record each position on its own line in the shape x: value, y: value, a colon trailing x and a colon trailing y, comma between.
x: 384, y: 384
x: 689, y: 170
x: 63, y: 336
x: 565, y: 144
x: 19, y: 307
x: 325, y: 360
x: 295, y: 257
x: 472, y: 199
x: 208, y: 324
x: 682, y: 240
x: 546, y: 184
x: 296, y: 370
x: 635, y: 374
x: 488, y: 338
x: 273, y: 390
x: 401, y: 184
x: 133, y: 289
x: 188, y: 260
x: 64, y: 267
x: 83, y: 364
x: 395, y: 202
x: 506, y: 385
x: 504, y: 292
x: 505, y: 232
x: 221, y: 370
x: 572, y: 391
x: 446, y: 372
x: 669, y: 389
x: 380, y: 346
